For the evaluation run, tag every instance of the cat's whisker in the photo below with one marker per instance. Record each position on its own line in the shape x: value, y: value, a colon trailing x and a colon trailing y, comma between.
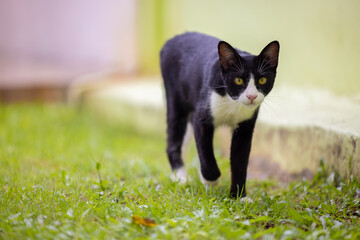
x: 236, y: 67
x: 260, y: 66
x: 241, y: 67
x: 223, y: 104
x: 218, y: 106
x: 263, y: 67
x: 237, y: 112
x: 238, y: 62
x: 263, y: 71
x: 229, y: 111
x: 234, y: 111
x: 219, y: 86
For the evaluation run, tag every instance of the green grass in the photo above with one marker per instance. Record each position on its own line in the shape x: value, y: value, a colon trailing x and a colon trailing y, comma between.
x: 69, y: 174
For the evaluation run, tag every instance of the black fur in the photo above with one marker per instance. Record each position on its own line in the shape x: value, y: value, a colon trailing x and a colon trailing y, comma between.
x: 193, y: 65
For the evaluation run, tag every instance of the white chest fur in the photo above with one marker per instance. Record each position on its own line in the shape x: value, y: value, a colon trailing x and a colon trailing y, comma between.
x: 227, y: 111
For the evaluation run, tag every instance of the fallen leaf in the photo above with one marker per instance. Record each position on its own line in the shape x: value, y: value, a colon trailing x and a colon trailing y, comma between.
x: 143, y: 221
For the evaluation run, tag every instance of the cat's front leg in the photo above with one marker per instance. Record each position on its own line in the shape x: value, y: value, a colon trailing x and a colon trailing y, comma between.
x: 204, y: 133
x: 239, y: 157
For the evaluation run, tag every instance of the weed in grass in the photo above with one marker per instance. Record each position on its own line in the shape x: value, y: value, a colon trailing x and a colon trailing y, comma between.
x: 71, y: 175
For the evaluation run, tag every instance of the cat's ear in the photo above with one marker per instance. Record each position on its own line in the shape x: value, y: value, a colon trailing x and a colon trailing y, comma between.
x: 228, y: 56
x: 270, y: 54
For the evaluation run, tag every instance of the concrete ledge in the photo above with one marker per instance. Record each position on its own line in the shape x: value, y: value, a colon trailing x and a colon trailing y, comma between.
x: 295, y: 129
x: 300, y: 148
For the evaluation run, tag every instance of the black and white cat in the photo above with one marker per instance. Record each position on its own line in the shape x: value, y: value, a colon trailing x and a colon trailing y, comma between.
x: 209, y: 83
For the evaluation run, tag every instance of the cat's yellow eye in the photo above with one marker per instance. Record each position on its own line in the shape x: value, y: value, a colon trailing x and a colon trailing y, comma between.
x: 239, y: 81
x: 262, y: 80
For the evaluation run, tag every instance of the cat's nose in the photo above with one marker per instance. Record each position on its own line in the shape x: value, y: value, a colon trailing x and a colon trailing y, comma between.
x: 251, y: 97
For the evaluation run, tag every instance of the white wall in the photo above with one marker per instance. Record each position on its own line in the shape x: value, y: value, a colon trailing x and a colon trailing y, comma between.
x: 87, y: 34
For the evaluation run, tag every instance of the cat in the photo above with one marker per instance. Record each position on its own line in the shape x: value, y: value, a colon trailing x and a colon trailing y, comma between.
x: 209, y: 83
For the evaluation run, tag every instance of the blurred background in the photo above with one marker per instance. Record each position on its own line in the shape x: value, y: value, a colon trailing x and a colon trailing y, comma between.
x: 46, y: 44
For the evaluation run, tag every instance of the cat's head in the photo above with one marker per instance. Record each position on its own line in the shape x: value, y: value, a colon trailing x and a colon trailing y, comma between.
x: 248, y: 78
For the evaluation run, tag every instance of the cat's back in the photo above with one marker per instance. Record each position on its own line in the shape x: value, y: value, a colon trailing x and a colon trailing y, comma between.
x: 190, y: 47
x: 186, y: 63
x: 192, y: 41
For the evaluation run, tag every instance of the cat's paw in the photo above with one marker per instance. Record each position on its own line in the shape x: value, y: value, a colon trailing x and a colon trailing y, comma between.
x: 208, y: 183
x: 179, y: 175
x: 246, y: 200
